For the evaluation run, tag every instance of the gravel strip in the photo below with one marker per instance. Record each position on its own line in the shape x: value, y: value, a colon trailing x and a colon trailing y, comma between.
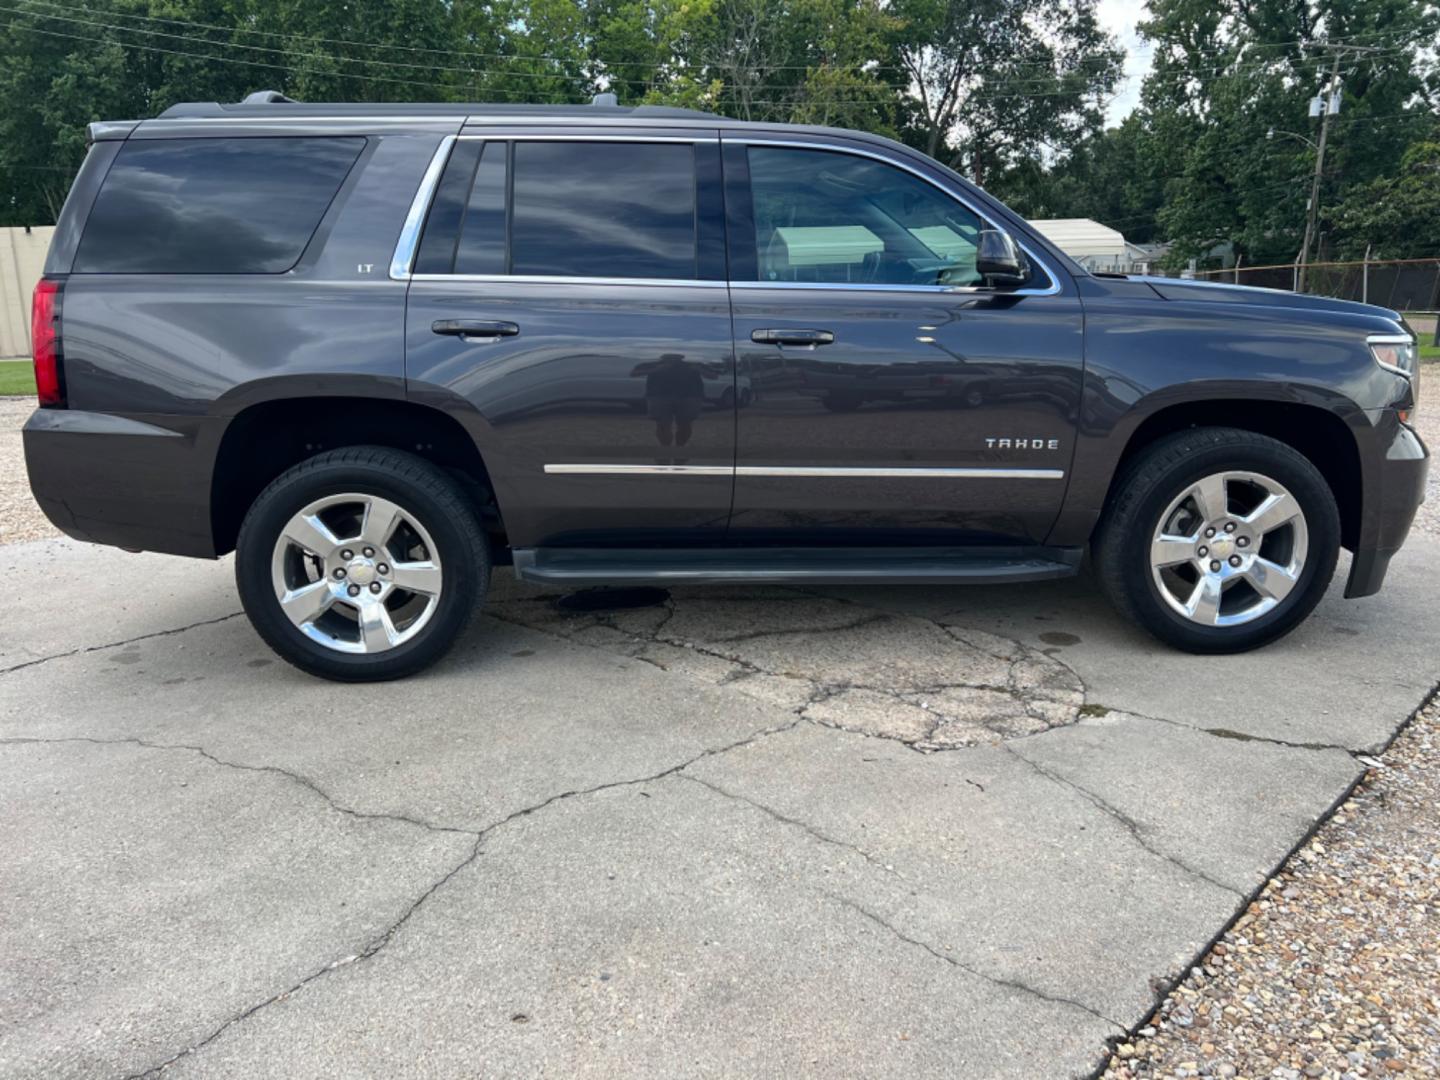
x: 1334, y: 971
x: 20, y: 518
x: 1427, y: 422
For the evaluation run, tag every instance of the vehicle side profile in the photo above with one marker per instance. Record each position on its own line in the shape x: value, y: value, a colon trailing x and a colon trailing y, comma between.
x: 380, y: 350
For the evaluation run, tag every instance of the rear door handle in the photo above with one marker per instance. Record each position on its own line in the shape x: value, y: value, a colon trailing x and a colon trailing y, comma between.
x: 806, y: 338
x: 475, y: 330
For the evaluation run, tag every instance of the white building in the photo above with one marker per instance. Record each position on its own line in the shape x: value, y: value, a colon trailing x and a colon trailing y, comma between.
x: 1097, y: 247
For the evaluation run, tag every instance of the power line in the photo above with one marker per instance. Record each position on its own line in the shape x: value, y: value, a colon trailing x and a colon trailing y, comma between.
x: 469, y: 72
x: 472, y: 73
x: 1002, y: 93
x: 291, y: 68
x: 728, y: 94
x: 864, y: 65
x: 1365, y: 36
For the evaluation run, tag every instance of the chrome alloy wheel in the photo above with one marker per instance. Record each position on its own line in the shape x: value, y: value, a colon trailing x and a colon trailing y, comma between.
x: 356, y: 573
x: 1229, y: 548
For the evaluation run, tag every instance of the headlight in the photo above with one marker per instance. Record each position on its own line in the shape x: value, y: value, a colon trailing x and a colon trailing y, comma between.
x: 1399, y: 353
x: 1395, y: 352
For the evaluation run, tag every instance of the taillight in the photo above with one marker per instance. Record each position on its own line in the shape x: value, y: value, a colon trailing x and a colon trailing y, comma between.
x: 45, y: 343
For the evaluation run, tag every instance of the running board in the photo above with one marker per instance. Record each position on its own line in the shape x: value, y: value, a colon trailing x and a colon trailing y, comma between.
x: 794, y: 566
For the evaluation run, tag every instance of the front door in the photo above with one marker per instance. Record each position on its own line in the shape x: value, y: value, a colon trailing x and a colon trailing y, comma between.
x: 568, y: 303
x: 886, y: 395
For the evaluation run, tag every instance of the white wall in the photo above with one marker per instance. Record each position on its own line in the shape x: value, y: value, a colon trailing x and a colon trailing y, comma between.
x: 22, y: 257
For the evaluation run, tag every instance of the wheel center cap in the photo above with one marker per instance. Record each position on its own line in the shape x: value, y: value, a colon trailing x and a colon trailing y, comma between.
x: 1222, y: 546
x: 360, y: 570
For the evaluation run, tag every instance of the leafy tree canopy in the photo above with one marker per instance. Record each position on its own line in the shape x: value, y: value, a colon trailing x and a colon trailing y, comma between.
x: 1219, y: 155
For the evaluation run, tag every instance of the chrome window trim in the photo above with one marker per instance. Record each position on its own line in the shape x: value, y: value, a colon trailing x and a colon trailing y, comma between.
x: 532, y: 279
x: 404, y: 254
x: 866, y: 472
x: 1053, y: 289
x: 405, y: 248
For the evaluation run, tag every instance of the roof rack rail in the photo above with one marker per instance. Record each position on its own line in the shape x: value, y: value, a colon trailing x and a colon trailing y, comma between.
x: 268, y: 97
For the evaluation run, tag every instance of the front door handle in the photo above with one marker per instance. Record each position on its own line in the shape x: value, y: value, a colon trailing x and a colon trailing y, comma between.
x: 475, y: 330
x: 806, y: 338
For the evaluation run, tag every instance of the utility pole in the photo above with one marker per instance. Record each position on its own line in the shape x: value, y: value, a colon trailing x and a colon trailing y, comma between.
x: 1312, y: 212
x: 1329, y: 101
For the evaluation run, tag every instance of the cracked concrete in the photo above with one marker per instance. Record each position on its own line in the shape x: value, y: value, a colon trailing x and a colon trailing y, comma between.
x: 926, y: 684
x: 752, y: 832
x: 560, y: 952
x: 146, y: 890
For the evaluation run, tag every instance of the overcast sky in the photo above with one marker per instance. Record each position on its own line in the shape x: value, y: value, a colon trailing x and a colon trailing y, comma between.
x: 1120, y: 17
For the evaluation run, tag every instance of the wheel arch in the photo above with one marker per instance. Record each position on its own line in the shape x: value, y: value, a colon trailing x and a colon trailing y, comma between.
x: 1318, y: 433
x: 267, y: 437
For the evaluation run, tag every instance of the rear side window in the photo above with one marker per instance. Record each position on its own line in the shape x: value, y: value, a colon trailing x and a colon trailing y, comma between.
x: 565, y: 209
x: 213, y: 206
x: 598, y: 209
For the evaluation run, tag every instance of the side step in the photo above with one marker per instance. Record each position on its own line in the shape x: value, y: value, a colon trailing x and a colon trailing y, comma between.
x: 792, y: 566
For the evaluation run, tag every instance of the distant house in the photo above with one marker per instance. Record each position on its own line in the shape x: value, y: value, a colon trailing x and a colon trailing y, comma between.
x: 1099, y: 248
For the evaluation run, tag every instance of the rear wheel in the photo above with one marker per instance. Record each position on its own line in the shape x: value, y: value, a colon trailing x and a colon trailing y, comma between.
x: 361, y: 564
x: 1218, y: 540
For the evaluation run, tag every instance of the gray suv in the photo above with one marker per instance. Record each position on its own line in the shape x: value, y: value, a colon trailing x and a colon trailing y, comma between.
x: 378, y: 350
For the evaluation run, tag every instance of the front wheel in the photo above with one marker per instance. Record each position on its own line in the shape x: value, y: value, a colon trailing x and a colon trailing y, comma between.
x: 1218, y: 540
x: 361, y: 564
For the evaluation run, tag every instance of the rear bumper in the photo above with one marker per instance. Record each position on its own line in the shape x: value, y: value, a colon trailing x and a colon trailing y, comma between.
x: 123, y: 481
x: 1394, y: 490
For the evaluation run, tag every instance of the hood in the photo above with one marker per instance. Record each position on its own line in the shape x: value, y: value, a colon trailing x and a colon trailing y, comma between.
x: 1216, y: 292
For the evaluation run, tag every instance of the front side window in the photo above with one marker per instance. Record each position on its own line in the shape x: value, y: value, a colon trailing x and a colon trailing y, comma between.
x: 576, y: 209
x: 214, y: 205
x: 828, y: 217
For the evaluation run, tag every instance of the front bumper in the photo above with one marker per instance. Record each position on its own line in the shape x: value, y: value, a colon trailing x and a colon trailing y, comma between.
x: 1394, y: 490
x: 122, y: 481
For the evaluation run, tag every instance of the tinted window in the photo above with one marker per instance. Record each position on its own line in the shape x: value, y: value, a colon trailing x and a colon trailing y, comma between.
x: 442, y: 225
x: 213, y: 206
x: 602, y: 209
x: 830, y: 217
x: 481, y: 247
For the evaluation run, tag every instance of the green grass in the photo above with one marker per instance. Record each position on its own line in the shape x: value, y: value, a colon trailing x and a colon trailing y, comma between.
x: 1429, y: 353
x: 16, y: 377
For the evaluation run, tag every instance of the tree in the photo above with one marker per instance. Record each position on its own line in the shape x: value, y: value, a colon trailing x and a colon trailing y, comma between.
x: 1000, y: 82
x: 1109, y: 177
x: 1227, y: 104
x: 63, y: 66
x: 803, y: 61
x: 1396, y: 217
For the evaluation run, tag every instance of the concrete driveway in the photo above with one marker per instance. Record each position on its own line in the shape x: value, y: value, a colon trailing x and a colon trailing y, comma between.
x: 910, y: 832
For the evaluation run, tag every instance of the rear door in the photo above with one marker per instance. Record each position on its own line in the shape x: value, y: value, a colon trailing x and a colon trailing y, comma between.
x: 568, y: 302
x: 887, y: 396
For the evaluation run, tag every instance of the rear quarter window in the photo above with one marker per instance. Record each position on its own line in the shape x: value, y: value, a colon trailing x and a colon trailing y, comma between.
x: 212, y: 206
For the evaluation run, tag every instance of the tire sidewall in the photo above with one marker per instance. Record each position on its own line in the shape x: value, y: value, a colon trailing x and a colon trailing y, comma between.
x: 1322, y: 521
x: 465, y: 576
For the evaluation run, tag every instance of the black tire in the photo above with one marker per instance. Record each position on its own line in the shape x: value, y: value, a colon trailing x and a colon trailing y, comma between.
x: 422, y: 490
x: 1158, y: 475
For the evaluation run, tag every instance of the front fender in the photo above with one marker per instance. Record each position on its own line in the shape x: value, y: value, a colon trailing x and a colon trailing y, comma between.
x: 1145, y: 356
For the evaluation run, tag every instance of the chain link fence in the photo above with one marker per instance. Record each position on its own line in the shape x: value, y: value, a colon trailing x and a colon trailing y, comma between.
x: 1411, y: 286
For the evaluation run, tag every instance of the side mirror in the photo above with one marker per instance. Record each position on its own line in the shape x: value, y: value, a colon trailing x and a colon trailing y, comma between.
x: 998, y: 260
